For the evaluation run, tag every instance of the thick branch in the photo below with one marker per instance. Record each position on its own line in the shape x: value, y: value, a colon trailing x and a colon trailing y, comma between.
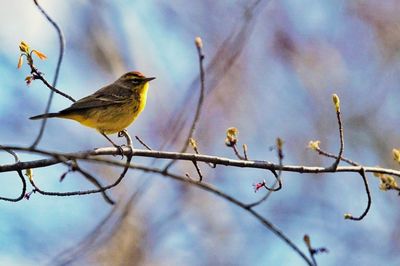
x: 88, y: 155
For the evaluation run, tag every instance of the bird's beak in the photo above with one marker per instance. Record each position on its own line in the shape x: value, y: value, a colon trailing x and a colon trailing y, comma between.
x: 148, y: 79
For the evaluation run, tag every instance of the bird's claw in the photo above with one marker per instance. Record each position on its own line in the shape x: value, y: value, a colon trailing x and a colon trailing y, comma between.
x: 121, y: 133
x: 121, y: 150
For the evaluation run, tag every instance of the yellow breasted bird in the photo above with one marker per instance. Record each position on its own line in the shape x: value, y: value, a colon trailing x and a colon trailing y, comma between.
x: 112, y: 108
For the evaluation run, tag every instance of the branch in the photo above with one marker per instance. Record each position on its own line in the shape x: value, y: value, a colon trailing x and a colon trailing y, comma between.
x: 57, y: 71
x: 127, y: 165
x: 349, y: 216
x: 199, y: 46
x: 336, y: 103
x: 278, y: 181
x: 196, y: 166
x: 21, y: 176
x: 38, y: 75
x: 193, y: 143
x: 315, y: 146
x: 229, y: 198
x: 88, y: 155
x: 142, y: 142
x: 240, y: 157
x: 95, y: 182
x: 313, y: 251
x: 92, y: 191
x: 331, y: 155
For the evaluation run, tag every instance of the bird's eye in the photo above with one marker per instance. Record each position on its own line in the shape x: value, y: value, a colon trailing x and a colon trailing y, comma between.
x: 135, y: 81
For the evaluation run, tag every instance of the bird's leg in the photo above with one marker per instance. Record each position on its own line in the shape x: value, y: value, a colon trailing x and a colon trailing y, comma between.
x: 121, y: 151
x: 124, y: 133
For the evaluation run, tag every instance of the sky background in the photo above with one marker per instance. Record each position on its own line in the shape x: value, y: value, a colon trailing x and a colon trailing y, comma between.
x: 270, y: 72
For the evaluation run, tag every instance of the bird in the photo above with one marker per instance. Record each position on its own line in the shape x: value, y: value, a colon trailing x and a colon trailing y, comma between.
x: 112, y: 108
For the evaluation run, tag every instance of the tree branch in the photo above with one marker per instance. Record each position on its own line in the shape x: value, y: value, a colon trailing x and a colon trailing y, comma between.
x: 369, y: 201
x: 21, y: 176
x: 199, y: 47
x: 57, y: 71
x: 88, y: 155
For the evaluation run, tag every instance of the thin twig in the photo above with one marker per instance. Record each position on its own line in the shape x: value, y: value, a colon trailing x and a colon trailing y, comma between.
x: 369, y: 201
x: 57, y: 71
x: 95, y: 182
x: 363, y: 175
x: 331, y: 155
x: 196, y: 150
x: 279, y: 146
x: 92, y: 191
x: 38, y: 75
x: 21, y: 176
x: 198, y: 171
x: 341, y: 138
x: 201, y: 57
x: 73, y: 166
x: 311, y: 250
x: 240, y: 157
x: 245, y: 152
x: 142, y: 142
x: 278, y: 179
x: 263, y: 199
x: 270, y: 190
x: 312, y: 255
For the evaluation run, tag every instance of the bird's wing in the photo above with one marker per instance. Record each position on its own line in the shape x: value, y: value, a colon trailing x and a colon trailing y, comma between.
x: 106, y: 96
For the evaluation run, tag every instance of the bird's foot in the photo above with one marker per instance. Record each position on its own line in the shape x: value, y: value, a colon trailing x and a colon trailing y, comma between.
x: 120, y: 150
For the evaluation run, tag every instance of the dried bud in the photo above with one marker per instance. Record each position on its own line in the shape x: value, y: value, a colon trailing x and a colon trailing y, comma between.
x: 396, y: 155
x: 29, y: 173
x: 27, y: 195
x: 279, y: 143
x: 24, y: 47
x: 336, y: 102
x: 231, y: 136
x: 387, y: 182
x: 245, y: 148
x: 20, y: 61
x: 307, y: 240
x: 41, y: 55
x: 198, y: 42
x: 62, y: 177
x: 193, y: 143
x: 321, y: 250
x: 347, y: 216
x: 28, y: 80
x: 314, y: 144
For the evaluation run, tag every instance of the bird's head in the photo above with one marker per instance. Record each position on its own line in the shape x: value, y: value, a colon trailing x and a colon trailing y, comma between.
x: 135, y: 79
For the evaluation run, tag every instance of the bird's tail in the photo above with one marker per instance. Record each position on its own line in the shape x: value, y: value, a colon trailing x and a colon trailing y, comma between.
x: 49, y: 115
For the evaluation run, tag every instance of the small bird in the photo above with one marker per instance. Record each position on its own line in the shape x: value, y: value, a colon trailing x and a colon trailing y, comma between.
x: 112, y: 108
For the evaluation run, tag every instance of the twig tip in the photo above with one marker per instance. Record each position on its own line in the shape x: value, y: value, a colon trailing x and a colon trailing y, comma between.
x: 198, y: 42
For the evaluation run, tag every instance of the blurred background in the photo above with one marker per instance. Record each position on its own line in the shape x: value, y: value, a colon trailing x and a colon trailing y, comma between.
x: 271, y: 67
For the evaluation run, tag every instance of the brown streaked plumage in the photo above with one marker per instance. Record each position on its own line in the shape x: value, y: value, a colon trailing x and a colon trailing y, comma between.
x: 112, y: 108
